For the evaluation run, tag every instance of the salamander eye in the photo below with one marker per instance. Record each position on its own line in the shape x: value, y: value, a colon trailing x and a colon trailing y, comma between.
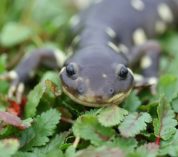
x: 71, y: 69
x: 123, y: 72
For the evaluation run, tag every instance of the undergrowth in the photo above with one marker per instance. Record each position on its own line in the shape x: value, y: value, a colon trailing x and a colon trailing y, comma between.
x: 47, y: 123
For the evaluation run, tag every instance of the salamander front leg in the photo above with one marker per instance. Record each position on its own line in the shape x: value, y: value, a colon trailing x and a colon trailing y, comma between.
x: 27, y: 67
x: 16, y: 85
x: 148, y: 56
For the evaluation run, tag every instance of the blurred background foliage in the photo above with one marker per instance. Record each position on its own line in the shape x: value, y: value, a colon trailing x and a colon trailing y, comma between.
x: 25, y: 25
x: 33, y: 23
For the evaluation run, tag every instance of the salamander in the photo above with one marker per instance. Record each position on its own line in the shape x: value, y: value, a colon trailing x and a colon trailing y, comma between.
x: 113, y: 37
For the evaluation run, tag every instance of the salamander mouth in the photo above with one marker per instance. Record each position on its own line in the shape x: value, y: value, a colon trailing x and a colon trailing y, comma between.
x: 92, y: 102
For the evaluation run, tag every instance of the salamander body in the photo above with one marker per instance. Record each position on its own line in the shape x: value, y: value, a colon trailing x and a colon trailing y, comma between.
x: 113, y: 36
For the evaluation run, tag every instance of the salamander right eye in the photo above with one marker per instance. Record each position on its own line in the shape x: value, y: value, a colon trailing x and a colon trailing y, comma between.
x: 71, y: 69
x: 123, y: 72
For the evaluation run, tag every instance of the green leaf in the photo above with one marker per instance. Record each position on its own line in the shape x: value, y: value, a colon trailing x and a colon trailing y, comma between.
x: 8, y: 147
x: 132, y: 102
x: 134, y: 123
x: 174, y: 104
x: 170, y: 44
x: 55, y: 153
x: 100, y: 152
x: 122, y: 143
x: 51, y: 149
x: 52, y: 153
x: 52, y: 76
x: 42, y: 127
x: 54, y: 144
x: 54, y: 12
x: 88, y: 128
x: 111, y: 115
x: 149, y: 150
x: 3, y: 59
x: 170, y: 146
x: 168, y: 86
x: 33, y: 99
x: 50, y: 86
x: 27, y: 154
x: 70, y: 152
x: 164, y: 125
x: 4, y: 87
x: 146, y: 150
x: 14, y: 33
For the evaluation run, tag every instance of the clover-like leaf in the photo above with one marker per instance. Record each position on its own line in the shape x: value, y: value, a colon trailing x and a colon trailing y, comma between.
x: 42, y: 127
x: 88, y: 128
x: 14, y: 33
x: 134, y: 123
x: 132, y: 102
x: 126, y: 144
x: 111, y: 115
x: 33, y: 99
x: 8, y: 147
x: 165, y: 124
x: 101, y: 152
x: 168, y: 86
x: 149, y: 149
x: 52, y: 82
x: 170, y: 146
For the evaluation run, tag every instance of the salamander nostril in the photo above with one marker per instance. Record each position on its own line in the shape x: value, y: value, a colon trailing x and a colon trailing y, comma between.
x: 81, y: 88
x: 111, y: 91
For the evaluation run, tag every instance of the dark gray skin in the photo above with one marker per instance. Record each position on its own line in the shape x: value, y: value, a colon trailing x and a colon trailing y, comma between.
x: 94, y: 57
x: 96, y: 75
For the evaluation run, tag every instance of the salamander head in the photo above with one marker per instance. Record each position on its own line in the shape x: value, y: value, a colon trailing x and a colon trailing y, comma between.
x: 96, y: 79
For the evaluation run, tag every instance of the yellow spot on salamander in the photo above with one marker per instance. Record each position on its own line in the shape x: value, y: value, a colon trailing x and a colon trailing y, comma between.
x: 123, y: 48
x: 165, y: 12
x: 139, y: 36
x: 104, y: 75
x: 137, y: 5
x: 111, y: 32
x: 113, y: 46
x: 146, y: 62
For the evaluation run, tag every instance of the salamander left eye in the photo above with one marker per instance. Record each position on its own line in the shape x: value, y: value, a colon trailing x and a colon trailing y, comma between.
x: 123, y: 72
x: 71, y: 69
